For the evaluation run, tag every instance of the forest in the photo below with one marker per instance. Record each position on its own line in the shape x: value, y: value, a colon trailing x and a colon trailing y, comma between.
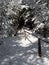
x: 24, y: 32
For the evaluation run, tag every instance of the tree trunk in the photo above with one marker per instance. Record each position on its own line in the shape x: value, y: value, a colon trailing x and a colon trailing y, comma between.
x: 39, y: 47
x: 44, y: 32
x: 25, y: 34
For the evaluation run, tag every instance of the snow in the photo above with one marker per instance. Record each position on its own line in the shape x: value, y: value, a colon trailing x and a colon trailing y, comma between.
x: 24, y: 6
x: 18, y: 51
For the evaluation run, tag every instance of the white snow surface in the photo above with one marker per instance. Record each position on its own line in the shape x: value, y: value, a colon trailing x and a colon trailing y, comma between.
x: 18, y: 51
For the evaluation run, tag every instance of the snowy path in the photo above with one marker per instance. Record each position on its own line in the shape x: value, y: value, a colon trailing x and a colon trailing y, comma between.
x: 18, y: 51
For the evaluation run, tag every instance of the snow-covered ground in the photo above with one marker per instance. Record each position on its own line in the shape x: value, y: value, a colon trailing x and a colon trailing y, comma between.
x: 18, y: 51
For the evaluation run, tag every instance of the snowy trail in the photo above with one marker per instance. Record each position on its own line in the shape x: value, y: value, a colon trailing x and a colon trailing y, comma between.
x: 18, y: 51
